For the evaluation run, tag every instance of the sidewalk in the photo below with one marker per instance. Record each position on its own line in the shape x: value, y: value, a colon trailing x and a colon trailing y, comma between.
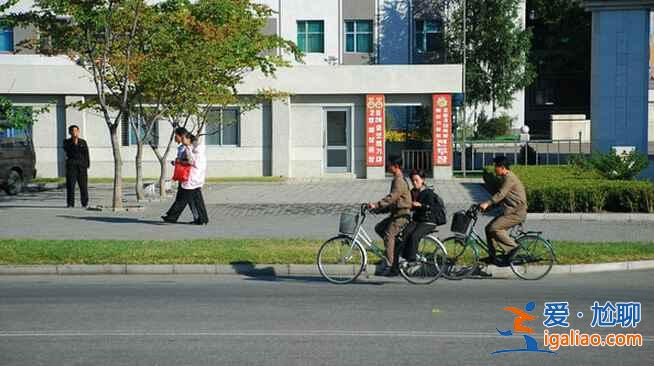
x: 293, y: 209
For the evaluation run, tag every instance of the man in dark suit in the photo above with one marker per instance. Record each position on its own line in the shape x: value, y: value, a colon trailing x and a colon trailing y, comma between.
x: 77, y: 164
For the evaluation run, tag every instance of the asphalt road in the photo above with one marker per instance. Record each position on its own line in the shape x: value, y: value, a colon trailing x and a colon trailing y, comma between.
x: 188, y: 320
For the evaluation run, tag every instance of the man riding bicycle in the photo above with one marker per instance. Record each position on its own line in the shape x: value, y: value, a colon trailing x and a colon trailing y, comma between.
x: 513, y: 199
x: 398, y: 202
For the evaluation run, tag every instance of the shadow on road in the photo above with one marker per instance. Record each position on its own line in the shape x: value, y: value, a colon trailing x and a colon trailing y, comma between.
x: 114, y: 220
x: 269, y: 274
x: 41, y: 207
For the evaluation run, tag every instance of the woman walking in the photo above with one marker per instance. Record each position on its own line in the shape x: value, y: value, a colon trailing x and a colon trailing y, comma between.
x: 196, y: 180
x: 191, y: 154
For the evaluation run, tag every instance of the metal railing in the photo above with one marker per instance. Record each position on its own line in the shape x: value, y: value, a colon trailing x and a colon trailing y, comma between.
x: 417, y: 159
x: 534, y: 152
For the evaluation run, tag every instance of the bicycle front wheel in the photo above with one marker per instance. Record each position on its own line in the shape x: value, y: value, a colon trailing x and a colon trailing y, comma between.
x: 534, y: 258
x: 462, y: 258
x: 430, y: 257
x: 341, y: 260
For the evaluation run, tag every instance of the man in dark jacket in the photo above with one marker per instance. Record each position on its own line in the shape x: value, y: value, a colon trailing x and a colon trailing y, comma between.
x: 77, y: 164
x: 398, y: 203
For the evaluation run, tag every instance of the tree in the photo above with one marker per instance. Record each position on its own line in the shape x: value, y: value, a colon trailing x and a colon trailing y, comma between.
x: 151, y: 61
x: 496, y: 51
x: 100, y: 37
x: 18, y: 117
x: 196, y: 55
x: 14, y: 117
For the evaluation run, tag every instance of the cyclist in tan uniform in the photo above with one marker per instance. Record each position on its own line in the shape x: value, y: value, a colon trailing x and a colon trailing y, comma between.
x: 512, y: 197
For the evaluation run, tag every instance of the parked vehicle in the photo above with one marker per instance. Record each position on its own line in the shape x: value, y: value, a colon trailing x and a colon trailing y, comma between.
x: 17, y: 160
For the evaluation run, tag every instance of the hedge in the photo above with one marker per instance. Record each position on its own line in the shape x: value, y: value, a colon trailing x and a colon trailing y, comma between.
x: 568, y: 189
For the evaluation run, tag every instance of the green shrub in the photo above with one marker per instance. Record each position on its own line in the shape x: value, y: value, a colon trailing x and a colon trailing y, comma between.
x: 570, y: 189
x: 614, y: 166
x: 494, y: 127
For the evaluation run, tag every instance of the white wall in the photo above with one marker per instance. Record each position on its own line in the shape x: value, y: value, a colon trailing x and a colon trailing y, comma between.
x: 325, y: 10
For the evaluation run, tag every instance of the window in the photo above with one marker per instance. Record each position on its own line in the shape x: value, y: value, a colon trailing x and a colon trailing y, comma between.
x: 222, y: 127
x: 129, y: 136
x: 358, y: 36
x: 6, y: 39
x: 311, y: 36
x: 429, y: 35
x: 24, y: 116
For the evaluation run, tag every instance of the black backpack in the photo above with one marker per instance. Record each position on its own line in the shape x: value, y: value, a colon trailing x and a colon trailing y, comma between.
x: 437, y: 209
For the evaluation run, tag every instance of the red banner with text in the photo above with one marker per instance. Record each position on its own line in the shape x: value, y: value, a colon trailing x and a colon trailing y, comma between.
x: 442, y: 129
x: 375, y: 130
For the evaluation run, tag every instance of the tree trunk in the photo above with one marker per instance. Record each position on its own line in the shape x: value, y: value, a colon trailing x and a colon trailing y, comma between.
x: 163, y: 164
x: 140, y: 195
x: 118, y: 168
x: 162, y: 179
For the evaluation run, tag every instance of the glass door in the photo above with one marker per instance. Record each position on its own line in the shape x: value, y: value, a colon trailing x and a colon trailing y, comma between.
x: 337, y: 140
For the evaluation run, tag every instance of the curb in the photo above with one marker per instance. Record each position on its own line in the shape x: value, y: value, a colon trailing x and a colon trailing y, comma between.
x: 271, y: 269
x: 592, y: 217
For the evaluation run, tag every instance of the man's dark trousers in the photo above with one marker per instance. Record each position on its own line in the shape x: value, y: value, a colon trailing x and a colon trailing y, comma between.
x: 76, y: 173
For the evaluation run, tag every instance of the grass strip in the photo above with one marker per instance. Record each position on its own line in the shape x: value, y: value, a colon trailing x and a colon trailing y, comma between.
x: 256, y: 251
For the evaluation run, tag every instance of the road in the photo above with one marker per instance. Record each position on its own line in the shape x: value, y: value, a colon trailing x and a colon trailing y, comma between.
x: 207, y: 320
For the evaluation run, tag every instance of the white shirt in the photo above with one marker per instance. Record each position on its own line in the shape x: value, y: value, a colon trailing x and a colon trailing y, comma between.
x: 198, y: 157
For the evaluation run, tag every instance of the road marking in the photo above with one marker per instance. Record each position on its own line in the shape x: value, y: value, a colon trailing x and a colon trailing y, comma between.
x: 259, y: 333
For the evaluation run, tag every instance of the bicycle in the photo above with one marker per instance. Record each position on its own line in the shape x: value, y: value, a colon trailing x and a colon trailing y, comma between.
x: 532, y: 260
x: 342, y: 258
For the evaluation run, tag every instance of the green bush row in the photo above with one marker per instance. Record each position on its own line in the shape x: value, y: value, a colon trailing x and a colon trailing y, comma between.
x: 567, y: 189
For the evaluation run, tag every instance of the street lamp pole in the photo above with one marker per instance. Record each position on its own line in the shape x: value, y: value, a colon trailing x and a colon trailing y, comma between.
x: 463, y: 92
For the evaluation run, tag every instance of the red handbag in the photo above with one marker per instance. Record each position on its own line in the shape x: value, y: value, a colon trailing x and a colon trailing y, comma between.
x: 181, y: 172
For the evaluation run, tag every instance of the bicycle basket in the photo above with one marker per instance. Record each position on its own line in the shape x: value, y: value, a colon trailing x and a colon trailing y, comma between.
x: 348, y: 222
x: 461, y: 222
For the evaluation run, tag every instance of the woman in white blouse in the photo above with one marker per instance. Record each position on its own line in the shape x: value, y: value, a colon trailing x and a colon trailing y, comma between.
x: 193, y: 186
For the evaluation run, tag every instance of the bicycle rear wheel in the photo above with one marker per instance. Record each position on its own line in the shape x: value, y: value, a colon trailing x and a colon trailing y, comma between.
x: 462, y: 258
x: 430, y: 257
x: 534, y: 258
x: 341, y: 260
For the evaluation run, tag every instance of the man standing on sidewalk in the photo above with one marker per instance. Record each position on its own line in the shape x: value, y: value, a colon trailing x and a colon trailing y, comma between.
x: 77, y: 165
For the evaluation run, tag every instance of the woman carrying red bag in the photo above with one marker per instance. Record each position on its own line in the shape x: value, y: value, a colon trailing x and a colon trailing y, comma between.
x: 183, y: 166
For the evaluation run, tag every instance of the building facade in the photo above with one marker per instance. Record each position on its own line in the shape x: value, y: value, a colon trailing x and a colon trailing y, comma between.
x: 354, y: 50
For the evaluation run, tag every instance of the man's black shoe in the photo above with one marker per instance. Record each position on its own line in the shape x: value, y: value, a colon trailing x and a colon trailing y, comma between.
x: 480, y: 273
x: 168, y: 220
x: 389, y: 272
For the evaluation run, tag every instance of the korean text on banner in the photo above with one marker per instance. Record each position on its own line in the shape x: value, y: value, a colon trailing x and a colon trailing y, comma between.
x: 375, y: 130
x: 442, y: 129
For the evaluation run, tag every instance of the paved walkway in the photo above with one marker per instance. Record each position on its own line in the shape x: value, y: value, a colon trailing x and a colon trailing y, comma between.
x: 259, y: 210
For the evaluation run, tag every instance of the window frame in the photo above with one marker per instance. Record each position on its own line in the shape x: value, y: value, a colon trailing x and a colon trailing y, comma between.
x: 306, y: 34
x: 355, y: 33
x: 131, y: 138
x: 221, y: 127
x: 12, y: 39
x: 422, y: 33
